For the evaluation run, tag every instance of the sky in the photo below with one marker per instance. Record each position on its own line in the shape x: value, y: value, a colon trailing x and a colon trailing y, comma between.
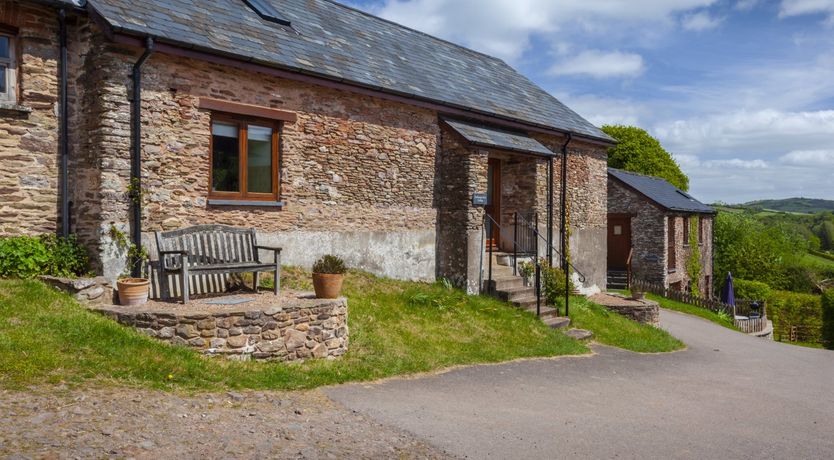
x: 741, y: 92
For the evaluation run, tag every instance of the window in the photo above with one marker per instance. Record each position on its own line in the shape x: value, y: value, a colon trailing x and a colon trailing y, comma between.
x: 244, y: 159
x: 700, y: 230
x: 8, y: 68
x: 686, y: 230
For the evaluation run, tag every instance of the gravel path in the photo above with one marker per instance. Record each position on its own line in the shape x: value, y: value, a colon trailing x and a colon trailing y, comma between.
x: 133, y: 423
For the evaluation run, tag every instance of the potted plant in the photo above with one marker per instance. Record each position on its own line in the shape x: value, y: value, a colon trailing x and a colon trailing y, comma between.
x: 637, y: 292
x: 526, y: 269
x: 133, y: 291
x: 328, y: 274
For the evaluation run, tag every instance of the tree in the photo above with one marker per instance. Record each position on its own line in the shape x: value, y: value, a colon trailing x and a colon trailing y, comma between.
x: 639, y: 152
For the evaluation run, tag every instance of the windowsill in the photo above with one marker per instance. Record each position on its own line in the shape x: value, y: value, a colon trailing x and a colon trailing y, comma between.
x: 255, y: 203
x: 12, y: 107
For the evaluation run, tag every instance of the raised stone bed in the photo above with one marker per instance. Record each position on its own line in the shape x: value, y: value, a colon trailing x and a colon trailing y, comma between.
x: 89, y: 291
x: 643, y: 311
x: 292, y: 326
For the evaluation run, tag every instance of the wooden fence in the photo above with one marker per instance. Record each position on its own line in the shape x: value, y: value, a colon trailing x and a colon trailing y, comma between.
x: 745, y: 317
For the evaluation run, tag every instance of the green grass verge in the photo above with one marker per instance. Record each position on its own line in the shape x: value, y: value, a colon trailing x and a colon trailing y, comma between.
x: 396, y: 327
x: 816, y: 260
x: 616, y: 330
x: 725, y: 321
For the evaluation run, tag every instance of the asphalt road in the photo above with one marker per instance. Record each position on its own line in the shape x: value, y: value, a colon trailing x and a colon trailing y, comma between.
x: 726, y: 396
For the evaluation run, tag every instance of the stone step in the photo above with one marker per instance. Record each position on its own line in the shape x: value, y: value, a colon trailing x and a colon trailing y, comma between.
x: 579, y: 334
x: 557, y: 322
x: 508, y: 282
x: 546, y: 312
x: 511, y: 295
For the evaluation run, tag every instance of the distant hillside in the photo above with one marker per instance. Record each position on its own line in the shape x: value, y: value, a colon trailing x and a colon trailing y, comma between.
x: 801, y: 205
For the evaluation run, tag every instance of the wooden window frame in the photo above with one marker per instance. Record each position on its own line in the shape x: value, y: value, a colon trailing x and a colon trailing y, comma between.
x: 700, y: 230
x: 10, y: 96
x: 243, y: 123
x: 687, y: 221
x: 671, y: 259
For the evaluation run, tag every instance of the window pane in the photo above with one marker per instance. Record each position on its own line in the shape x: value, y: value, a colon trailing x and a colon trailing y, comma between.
x: 225, y: 164
x: 259, y: 159
x: 4, y: 47
x: 3, y: 72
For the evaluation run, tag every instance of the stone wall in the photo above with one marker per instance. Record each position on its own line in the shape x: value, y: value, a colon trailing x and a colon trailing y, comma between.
x: 298, y: 329
x: 351, y: 166
x: 683, y: 250
x: 29, y: 183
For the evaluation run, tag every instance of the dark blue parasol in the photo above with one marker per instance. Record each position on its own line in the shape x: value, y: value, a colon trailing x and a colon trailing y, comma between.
x: 728, y: 294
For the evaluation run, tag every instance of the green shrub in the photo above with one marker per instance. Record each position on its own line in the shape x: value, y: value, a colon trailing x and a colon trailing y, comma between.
x: 828, y: 319
x: 30, y: 256
x: 751, y: 290
x: 330, y: 265
x: 553, y: 284
x: 788, y: 309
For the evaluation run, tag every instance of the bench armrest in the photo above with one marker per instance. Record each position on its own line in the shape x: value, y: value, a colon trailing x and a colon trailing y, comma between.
x: 269, y: 248
x: 183, y: 259
x: 181, y: 252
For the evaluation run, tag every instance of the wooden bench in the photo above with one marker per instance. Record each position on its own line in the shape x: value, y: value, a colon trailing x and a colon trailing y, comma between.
x: 214, y: 249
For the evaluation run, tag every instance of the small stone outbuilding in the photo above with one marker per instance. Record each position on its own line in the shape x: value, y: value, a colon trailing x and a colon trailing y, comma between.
x: 653, y: 222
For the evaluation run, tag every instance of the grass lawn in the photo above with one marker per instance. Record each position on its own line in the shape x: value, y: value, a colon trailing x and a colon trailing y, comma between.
x: 725, y: 321
x: 396, y: 327
x: 813, y: 259
x: 618, y: 331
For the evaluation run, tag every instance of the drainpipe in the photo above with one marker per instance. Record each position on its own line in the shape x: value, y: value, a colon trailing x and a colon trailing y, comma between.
x: 563, y: 228
x: 64, y: 134
x: 549, y: 211
x: 136, y: 157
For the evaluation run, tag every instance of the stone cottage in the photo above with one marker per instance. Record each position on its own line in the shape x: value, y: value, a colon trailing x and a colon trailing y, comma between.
x: 326, y: 128
x: 653, y: 228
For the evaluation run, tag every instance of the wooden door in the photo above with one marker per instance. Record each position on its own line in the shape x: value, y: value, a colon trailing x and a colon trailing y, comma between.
x: 619, y: 241
x: 493, y: 206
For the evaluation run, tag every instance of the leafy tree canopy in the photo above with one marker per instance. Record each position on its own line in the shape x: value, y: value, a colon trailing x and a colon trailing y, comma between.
x: 639, y: 152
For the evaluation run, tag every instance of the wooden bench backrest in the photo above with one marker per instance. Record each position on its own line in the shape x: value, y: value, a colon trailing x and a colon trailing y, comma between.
x: 209, y: 245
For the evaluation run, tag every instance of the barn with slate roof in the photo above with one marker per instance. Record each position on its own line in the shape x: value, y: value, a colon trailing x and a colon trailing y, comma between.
x: 653, y: 229
x: 326, y: 128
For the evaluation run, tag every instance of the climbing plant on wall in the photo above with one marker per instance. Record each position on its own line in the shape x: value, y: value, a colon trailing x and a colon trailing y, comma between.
x: 693, y: 263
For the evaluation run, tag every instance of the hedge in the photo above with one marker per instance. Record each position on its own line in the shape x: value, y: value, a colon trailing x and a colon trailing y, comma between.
x: 30, y: 256
x: 751, y: 290
x: 804, y: 311
x: 828, y: 319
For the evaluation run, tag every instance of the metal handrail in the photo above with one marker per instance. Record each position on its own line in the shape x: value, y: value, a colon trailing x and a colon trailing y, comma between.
x: 487, y: 220
x: 628, y: 267
x: 536, y: 232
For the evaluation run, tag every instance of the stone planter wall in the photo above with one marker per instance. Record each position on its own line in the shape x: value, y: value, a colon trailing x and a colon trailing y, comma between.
x: 305, y: 328
x: 647, y: 313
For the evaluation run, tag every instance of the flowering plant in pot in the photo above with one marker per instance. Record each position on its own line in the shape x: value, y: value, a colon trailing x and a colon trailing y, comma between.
x: 328, y: 274
x: 132, y: 291
x: 526, y: 269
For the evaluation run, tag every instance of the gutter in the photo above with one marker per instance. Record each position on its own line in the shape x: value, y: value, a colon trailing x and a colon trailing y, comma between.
x: 136, y: 157
x: 64, y: 133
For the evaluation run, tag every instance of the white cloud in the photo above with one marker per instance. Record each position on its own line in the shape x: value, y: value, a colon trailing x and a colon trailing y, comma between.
x: 600, y: 64
x: 700, y: 21
x: 801, y: 7
x: 605, y: 111
x: 760, y: 132
x: 810, y: 158
x: 505, y: 28
x: 746, y: 5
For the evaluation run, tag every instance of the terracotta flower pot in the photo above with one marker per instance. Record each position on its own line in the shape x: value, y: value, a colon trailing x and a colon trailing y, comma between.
x: 133, y: 291
x: 327, y: 286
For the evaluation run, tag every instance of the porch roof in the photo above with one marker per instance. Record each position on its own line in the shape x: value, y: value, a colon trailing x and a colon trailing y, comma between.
x: 500, y: 138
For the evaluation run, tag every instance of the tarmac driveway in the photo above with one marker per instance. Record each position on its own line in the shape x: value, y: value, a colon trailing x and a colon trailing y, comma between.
x: 726, y: 396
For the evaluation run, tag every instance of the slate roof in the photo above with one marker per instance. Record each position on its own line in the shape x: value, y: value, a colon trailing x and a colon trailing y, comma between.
x: 344, y: 44
x: 661, y: 192
x: 489, y: 136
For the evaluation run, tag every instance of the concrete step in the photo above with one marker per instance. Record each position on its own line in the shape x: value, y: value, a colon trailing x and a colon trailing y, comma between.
x: 546, y: 312
x: 557, y: 322
x: 511, y: 295
x: 508, y: 282
x: 579, y: 334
